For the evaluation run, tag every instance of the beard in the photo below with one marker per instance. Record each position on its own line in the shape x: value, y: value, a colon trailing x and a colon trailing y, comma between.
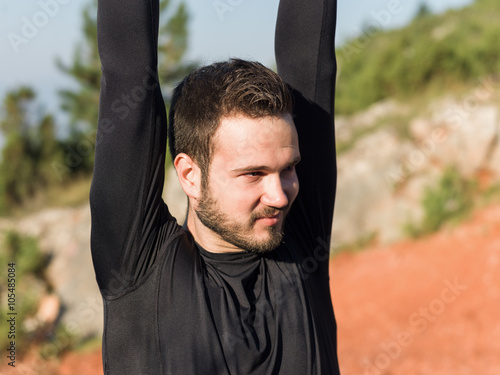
x: 239, y: 234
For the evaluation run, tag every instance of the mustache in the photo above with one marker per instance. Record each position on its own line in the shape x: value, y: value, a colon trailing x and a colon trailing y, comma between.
x: 269, y: 212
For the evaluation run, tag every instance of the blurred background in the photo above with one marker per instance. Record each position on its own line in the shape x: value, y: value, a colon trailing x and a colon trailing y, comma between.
x: 415, y: 237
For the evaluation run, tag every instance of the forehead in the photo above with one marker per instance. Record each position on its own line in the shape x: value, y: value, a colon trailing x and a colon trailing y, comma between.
x: 240, y: 138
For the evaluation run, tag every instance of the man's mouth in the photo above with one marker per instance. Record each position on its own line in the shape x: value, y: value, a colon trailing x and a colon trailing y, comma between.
x: 270, y: 220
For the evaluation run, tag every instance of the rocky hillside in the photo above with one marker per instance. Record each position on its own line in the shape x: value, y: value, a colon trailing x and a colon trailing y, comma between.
x: 64, y: 235
x: 391, y: 154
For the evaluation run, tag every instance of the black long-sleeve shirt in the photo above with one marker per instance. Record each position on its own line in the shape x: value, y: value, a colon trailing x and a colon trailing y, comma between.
x: 172, y: 307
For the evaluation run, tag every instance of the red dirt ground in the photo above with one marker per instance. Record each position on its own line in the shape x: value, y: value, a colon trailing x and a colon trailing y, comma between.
x: 426, y: 307
x: 430, y: 306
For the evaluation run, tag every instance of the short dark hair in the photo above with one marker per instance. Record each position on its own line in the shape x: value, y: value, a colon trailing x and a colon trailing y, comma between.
x: 221, y: 89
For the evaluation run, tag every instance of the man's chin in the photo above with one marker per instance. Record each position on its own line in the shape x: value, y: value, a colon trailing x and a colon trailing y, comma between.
x: 268, y: 242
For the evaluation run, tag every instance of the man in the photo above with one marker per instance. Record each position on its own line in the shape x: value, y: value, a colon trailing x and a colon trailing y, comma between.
x: 243, y: 287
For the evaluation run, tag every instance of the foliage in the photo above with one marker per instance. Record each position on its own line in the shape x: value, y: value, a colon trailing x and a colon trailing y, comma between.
x: 492, y: 194
x: 29, y: 267
x: 396, y: 123
x: 33, y: 160
x: 59, y: 342
x: 16, y: 110
x: 450, y: 200
x: 423, y: 11
x: 440, y: 51
x: 25, y: 252
x: 357, y: 245
x: 29, y: 151
x: 172, y: 44
x: 82, y: 104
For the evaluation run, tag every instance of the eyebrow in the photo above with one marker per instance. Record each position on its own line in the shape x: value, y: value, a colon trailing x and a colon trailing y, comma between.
x: 251, y: 168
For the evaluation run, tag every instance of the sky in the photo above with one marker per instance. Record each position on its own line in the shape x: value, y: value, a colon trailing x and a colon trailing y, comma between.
x: 33, y: 34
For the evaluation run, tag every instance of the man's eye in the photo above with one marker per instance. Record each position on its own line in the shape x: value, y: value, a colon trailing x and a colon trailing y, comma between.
x: 253, y: 174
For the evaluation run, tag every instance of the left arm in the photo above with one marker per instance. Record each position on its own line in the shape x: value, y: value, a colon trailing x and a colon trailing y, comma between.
x: 305, y: 54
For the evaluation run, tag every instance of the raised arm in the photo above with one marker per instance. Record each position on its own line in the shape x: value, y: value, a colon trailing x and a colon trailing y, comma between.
x: 127, y: 210
x: 305, y: 48
x: 305, y: 54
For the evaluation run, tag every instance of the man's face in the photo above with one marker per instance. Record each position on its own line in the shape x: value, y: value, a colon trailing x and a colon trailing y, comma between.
x: 251, y: 182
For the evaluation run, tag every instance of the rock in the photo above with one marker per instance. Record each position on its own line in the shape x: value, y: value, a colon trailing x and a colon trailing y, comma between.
x: 364, y: 203
x: 469, y: 138
x: 382, y: 178
x: 48, y: 309
x: 64, y: 234
x: 345, y: 127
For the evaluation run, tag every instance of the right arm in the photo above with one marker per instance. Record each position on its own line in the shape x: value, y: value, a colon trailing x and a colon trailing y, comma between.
x: 125, y: 197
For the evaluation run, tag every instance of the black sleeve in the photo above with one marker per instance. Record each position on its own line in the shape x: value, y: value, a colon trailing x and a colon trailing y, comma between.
x: 305, y: 55
x: 128, y: 213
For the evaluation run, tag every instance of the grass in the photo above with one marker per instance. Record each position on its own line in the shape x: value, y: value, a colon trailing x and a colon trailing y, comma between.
x: 491, y: 195
x: 71, y: 194
x: 357, y: 245
x: 88, y: 345
x: 392, y: 121
x: 437, y: 51
x: 28, y: 269
x: 448, y: 202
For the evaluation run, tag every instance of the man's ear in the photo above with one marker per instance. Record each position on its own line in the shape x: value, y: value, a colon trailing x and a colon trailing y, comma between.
x: 189, y: 175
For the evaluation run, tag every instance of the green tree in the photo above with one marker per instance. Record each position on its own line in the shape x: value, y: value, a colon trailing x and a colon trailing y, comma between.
x: 423, y: 11
x: 450, y: 200
x: 82, y: 103
x: 173, y: 44
x: 434, y: 53
x: 16, y: 108
x: 30, y: 149
x: 22, y: 255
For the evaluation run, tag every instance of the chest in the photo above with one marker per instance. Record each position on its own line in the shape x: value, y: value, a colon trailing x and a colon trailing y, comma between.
x: 249, y: 320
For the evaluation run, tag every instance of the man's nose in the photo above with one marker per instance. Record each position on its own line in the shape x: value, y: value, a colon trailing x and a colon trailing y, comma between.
x: 274, y: 194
